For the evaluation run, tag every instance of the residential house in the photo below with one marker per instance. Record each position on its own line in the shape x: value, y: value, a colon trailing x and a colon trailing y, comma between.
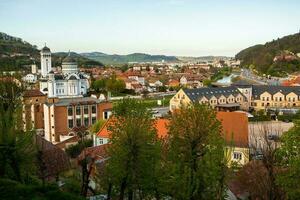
x: 225, y: 98
x: 103, y: 135
x: 173, y: 83
x: 276, y: 97
x: 191, y: 81
x: 234, y: 131
x: 236, y: 134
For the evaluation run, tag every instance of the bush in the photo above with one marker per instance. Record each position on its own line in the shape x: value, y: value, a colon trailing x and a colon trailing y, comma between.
x: 74, y: 150
x: 12, y: 190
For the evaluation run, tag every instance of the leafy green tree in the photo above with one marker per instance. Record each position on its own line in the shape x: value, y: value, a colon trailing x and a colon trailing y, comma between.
x: 99, y: 85
x: 134, y: 150
x: 289, y: 161
x: 97, y: 126
x: 114, y: 85
x: 16, y: 147
x: 196, y: 155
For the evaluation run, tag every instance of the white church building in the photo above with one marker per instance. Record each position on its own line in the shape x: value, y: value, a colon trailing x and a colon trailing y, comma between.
x: 68, y: 83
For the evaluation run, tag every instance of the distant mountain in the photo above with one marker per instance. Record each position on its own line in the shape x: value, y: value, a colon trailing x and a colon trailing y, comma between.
x: 16, y: 53
x: 135, y: 57
x: 81, y: 60
x: 277, y: 57
x: 202, y: 58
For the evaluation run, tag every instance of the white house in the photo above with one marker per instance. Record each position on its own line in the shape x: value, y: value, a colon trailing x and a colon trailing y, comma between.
x: 30, y: 78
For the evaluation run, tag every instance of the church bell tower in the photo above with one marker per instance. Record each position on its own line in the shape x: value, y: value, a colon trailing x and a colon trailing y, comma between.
x: 45, y: 61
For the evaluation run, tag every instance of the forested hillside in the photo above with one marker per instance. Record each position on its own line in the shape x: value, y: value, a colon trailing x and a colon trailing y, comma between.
x: 276, y: 57
x: 16, y: 54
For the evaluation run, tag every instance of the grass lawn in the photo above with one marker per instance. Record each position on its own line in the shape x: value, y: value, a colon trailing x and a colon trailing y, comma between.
x: 152, y: 102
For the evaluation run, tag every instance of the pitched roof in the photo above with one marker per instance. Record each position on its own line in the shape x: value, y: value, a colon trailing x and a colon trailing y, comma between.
x: 198, y: 93
x: 33, y: 93
x: 97, y: 152
x: 272, y: 89
x: 234, y: 127
x: 161, y: 125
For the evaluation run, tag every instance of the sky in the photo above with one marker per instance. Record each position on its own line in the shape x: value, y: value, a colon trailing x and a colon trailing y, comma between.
x: 169, y: 27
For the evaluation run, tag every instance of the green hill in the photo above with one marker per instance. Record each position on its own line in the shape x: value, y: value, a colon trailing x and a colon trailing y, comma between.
x: 261, y: 56
x: 135, y: 57
x: 16, y: 54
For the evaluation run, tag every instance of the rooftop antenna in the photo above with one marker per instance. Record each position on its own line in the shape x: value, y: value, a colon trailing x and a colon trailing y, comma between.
x: 69, y: 52
x: 45, y: 43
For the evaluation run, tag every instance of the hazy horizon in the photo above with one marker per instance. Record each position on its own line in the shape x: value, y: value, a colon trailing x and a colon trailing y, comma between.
x: 164, y: 27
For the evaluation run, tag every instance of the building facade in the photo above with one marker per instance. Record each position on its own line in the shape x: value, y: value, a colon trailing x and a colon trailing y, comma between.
x: 224, y: 98
x: 63, y: 116
x: 264, y: 97
x: 33, y: 110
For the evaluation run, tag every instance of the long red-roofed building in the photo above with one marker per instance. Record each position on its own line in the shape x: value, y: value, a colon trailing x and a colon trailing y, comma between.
x: 234, y: 131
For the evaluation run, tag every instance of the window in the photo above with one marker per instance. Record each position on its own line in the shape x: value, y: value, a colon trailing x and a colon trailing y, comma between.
x: 86, y: 121
x: 86, y: 109
x: 262, y: 104
x: 263, y: 98
x: 237, y: 156
x: 78, y: 122
x: 101, y: 141
x: 93, y: 108
x: 280, y: 99
x: 106, y: 114
x: 267, y: 98
x: 93, y: 120
x: 70, y: 123
x: 70, y: 111
x: 78, y: 110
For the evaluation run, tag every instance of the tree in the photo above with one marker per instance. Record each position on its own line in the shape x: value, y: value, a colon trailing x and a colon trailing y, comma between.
x: 16, y: 147
x: 196, y: 154
x: 134, y: 150
x: 289, y: 161
x: 115, y: 85
x: 99, y: 85
x: 264, y: 146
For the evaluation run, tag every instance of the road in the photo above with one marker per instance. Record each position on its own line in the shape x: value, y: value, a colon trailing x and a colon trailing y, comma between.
x: 160, y: 111
x: 247, y: 74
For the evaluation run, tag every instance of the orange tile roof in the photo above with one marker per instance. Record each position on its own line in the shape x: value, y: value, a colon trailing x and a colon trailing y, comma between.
x: 235, y: 127
x: 291, y: 82
x: 173, y: 83
x: 161, y: 126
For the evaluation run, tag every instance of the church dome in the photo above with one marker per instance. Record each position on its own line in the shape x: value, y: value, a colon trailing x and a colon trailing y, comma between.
x: 69, y: 65
x: 45, y: 49
x: 69, y: 59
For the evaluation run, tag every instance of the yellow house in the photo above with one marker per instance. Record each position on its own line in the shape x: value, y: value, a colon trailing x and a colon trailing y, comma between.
x: 275, y: 97
x: 224, y: 98
x: 236, y: 134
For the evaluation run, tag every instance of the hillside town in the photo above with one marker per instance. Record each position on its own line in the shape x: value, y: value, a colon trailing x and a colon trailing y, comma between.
x: 149, y: 100
x: 63, y: 106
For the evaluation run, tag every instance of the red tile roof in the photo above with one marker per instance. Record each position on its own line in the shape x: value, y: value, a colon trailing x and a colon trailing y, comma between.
x: 161, y: 126
x: 235, y: 127
x: 33, y: 93
x: 97, y: 152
